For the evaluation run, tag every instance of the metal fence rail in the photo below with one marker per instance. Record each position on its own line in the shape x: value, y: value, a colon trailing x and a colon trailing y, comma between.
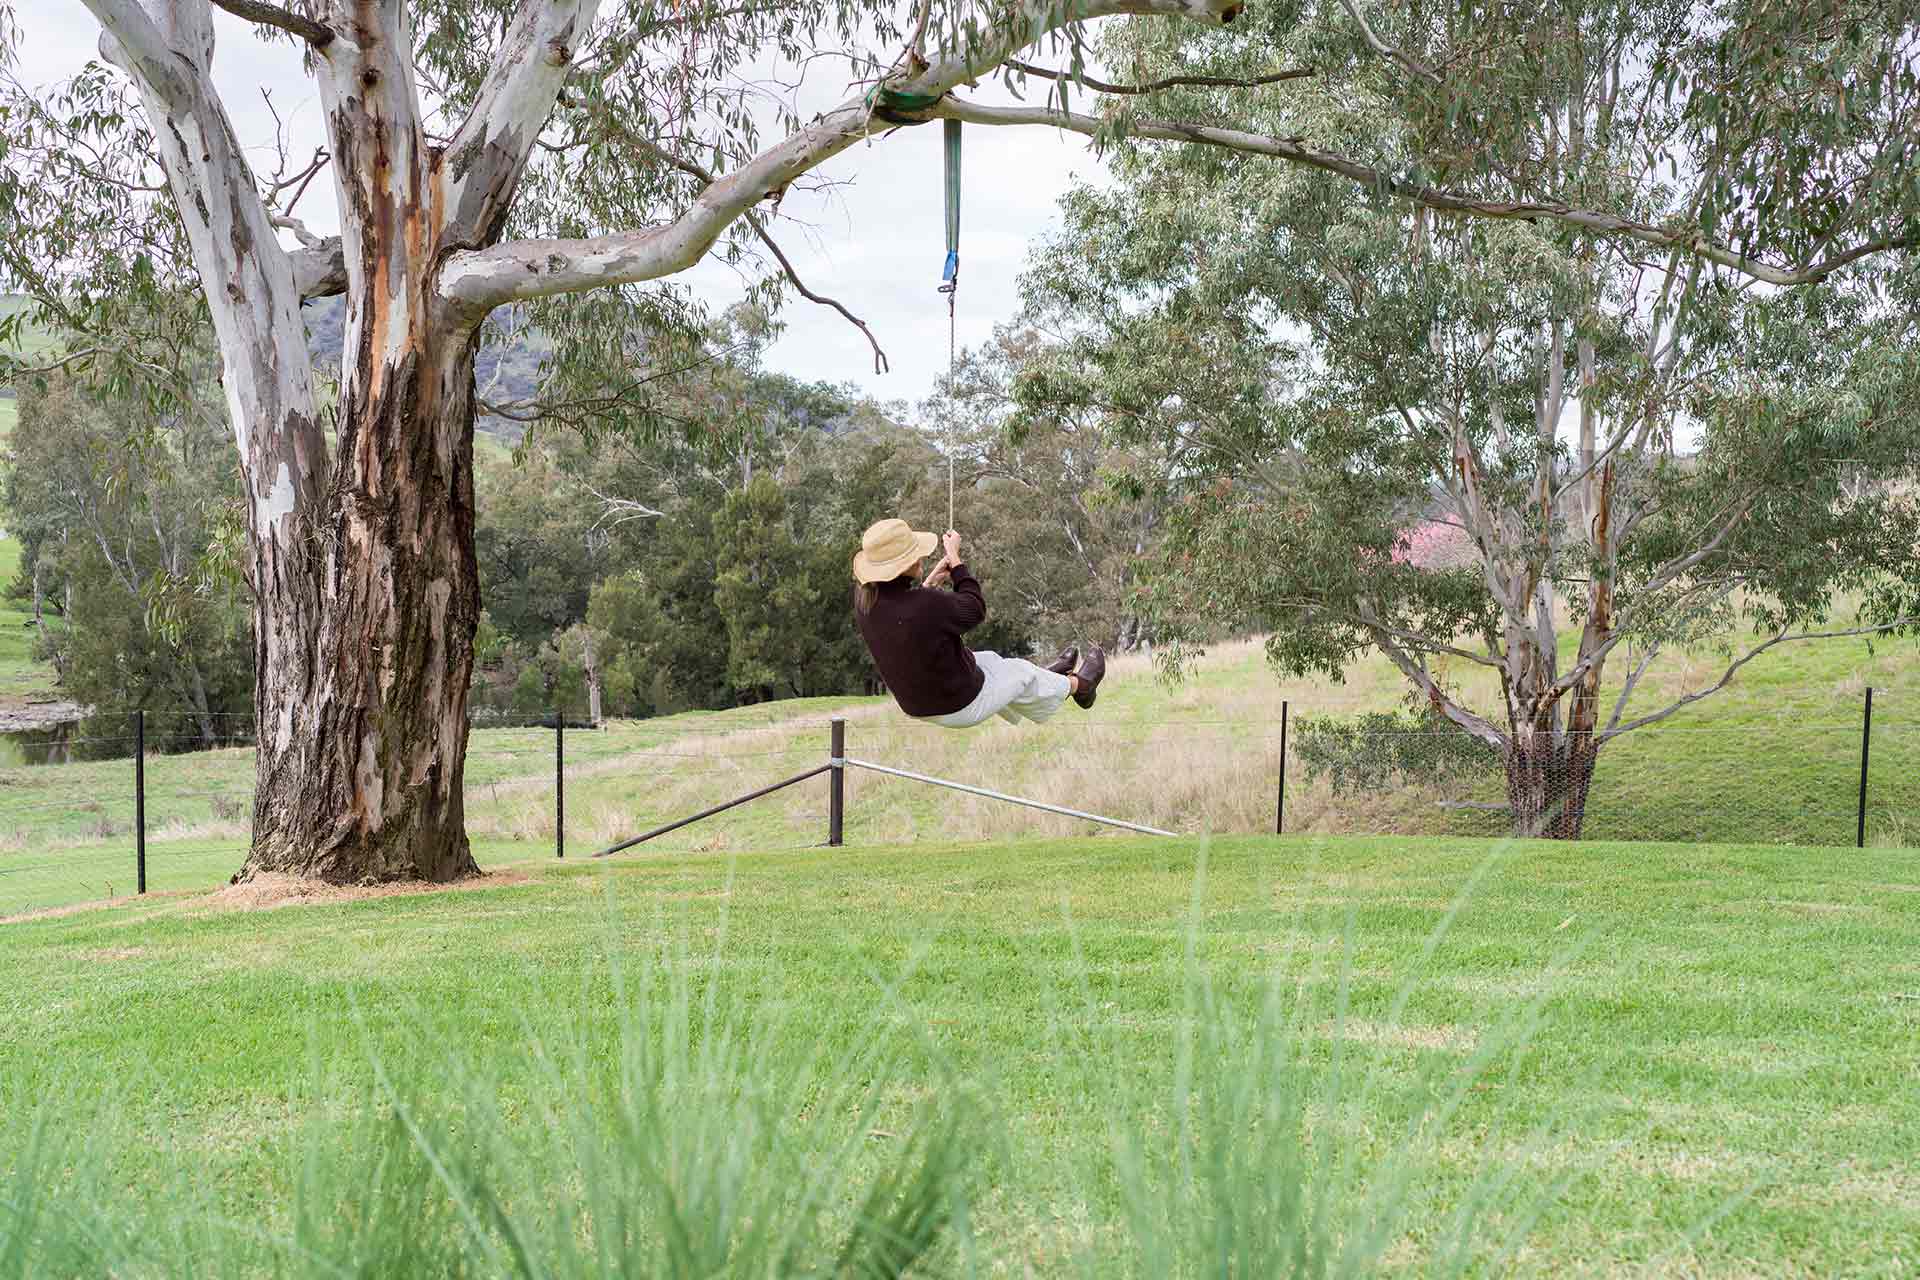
x: 1062, y: 810
x: 838, y: 762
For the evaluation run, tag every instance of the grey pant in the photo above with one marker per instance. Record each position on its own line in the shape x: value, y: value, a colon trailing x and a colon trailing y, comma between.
x: 1015, y: 690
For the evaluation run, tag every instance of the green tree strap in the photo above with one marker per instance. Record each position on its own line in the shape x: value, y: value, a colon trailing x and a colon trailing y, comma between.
x: 952, y: 268
x: 894, y: 107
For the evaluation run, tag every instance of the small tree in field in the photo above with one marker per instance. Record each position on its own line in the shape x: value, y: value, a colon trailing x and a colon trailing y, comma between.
x: 494, y: 152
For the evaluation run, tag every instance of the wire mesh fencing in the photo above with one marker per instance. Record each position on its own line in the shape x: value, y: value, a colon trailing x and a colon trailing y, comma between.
x: 69, y: 819
x: 82, y: 818
x: 1795, y: 775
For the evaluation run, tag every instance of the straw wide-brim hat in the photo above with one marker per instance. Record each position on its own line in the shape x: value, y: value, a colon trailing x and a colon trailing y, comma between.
x: 889, y: 548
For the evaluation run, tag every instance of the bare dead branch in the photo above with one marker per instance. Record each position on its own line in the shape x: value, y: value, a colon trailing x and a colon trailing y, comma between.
x: 1166, y: 82
x: 879, y: 357
x: 1385, y: 50
x: 267, y: 15
x: 615, y: 512
x: 299, y: 180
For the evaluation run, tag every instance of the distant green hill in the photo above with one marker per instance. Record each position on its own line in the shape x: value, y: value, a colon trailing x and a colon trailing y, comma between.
x: 504, y: 372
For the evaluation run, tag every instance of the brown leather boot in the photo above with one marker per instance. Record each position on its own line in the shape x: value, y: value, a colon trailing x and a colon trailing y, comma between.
x: 1064, y: 664
x: 1091, y: 672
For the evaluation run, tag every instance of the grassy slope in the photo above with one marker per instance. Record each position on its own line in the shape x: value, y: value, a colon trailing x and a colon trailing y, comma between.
x: 1719, y: 1022
x: 21, y: 677
x: 34, y: 340
x: 1773, y: 760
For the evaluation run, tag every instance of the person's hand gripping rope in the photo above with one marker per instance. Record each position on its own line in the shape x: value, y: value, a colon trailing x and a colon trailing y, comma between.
x: 942, y: 573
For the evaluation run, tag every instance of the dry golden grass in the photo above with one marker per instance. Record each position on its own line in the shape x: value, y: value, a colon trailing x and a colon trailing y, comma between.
x: 1197, y: 757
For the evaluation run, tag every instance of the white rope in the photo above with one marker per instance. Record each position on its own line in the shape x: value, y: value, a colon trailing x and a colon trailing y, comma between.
x: 952, y: 392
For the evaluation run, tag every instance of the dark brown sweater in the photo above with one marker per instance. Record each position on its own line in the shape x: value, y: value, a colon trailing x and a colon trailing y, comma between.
x: 914, y: 634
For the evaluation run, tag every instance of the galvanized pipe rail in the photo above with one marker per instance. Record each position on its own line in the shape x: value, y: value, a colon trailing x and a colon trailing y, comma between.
x: 838, y: 762
x: 814, y: 772
x: 1001, y: 795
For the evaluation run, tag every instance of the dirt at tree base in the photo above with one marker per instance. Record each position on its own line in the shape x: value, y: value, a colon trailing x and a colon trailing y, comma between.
x: 268, y: 890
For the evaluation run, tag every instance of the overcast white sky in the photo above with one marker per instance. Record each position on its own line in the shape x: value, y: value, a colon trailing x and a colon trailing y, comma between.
x: 877, y: 244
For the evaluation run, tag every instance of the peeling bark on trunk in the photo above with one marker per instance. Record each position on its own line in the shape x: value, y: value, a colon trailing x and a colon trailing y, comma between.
x: 363, y: 754
x: 364, y: 730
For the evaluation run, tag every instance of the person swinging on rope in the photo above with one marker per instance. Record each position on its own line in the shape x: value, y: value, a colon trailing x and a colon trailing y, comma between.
x: 914, y: 632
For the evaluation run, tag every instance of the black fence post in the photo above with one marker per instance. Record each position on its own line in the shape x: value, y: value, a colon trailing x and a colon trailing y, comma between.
x: 140, y: 799
x: 837, y: 783
x: 1280, y: 813
x: 1866, y: 743
x: 559, y: 781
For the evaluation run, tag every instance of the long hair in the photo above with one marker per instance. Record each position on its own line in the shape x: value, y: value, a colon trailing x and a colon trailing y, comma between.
x: 864, y: 594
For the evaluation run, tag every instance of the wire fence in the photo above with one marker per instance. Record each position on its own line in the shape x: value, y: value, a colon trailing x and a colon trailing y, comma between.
x: 112, y: 815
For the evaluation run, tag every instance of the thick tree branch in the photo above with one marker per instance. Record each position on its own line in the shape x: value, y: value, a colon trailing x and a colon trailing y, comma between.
x: 301, y: 232
x: 1166, y: 82
x: 1296, y: 151
x: 321, y: 271
x: 132, y: 41
x: 1477, y: 726
x: 489, y: 150
x: 476, y: 281
x: 267, y: 15
x: 1419, y: 643
x: 252, y: 283
x: 1627, y: 688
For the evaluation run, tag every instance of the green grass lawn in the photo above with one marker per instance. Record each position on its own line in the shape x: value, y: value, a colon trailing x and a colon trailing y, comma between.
x: 1719, y: 1078
x: 67, y: 831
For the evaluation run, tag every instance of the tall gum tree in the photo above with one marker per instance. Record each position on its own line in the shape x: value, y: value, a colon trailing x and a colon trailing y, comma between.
x: 458, y: 136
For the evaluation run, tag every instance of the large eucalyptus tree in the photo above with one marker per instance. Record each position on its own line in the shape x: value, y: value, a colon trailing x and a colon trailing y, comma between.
x: 483, y: 153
